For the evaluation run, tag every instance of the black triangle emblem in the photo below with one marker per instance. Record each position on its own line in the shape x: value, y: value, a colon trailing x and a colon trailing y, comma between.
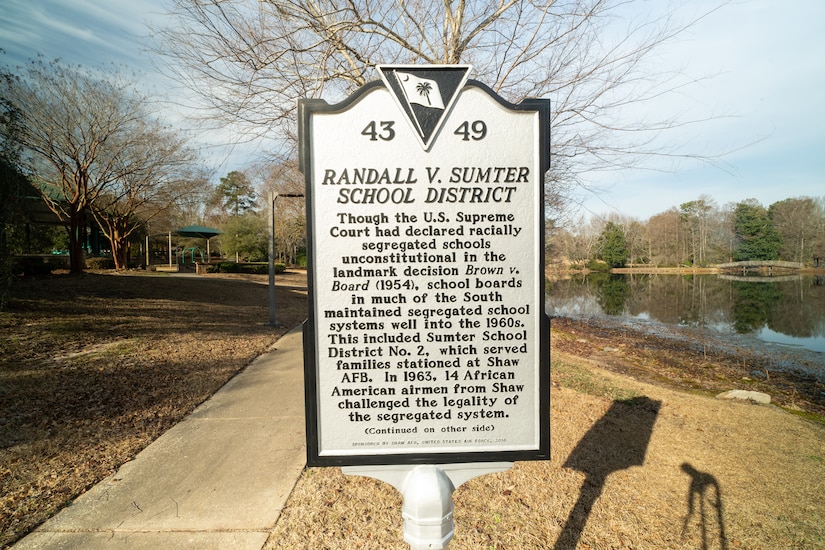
x: 426, y: 94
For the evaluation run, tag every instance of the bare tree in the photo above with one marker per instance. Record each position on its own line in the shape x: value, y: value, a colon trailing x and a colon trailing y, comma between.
x: 156, y: 173
x: 663, y: 238
x: 634, y: 236
x: 800, y: 221
x: 249, y: 61
x: 578, y: 243
x: 284, y: 178
x: 696, y: 217
x: 75, y: 127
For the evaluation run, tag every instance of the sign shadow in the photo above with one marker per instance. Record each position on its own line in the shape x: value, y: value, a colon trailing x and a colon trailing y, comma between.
x: 700, y: 483
x: 616, y: 442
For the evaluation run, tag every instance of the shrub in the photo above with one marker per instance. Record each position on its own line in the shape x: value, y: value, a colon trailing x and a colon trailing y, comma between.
x: 597, y: 265
x: 100, y: 263
x: 301, y: 258
x: 255, y: 268
x: 33, y: 265
x: 223, y: 267
x: 250, y: 268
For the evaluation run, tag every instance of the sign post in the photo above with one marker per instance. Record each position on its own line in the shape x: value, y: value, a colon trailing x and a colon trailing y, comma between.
x: 427, y: 345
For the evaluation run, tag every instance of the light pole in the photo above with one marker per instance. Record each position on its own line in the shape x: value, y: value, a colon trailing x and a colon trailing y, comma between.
x: 271, y: 250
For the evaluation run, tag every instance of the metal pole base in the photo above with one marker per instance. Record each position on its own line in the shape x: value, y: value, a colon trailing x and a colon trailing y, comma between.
x: 428, y: 496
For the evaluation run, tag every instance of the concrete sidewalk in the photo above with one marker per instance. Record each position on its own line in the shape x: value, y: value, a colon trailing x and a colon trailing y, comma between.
x: 218, y: 479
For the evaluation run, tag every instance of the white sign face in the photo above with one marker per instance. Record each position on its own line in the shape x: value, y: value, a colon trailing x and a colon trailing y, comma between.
x: 426, y: 279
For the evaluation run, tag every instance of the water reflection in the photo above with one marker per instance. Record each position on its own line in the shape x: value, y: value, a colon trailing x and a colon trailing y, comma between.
x: 612, y: 292
x: 753, y: 305
x: 787, y: 310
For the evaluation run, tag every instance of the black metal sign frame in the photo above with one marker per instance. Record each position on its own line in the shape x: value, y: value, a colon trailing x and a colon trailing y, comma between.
x: 384, y: 447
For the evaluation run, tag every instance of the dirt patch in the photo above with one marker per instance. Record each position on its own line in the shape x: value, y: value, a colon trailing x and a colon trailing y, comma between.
x: 692, y: 363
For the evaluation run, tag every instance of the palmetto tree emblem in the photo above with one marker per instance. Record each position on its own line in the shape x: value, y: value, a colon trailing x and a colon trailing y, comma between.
x: 424, y: 89
x: 424, y: 94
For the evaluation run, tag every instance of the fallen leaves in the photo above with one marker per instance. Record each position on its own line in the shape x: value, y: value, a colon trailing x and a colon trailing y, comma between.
x: 89, y: 380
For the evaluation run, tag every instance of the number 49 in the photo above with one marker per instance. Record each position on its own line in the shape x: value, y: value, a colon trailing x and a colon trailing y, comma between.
x: 475, y: 131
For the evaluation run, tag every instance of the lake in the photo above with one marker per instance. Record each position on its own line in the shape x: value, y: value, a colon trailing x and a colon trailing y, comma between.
x: 786, y: 311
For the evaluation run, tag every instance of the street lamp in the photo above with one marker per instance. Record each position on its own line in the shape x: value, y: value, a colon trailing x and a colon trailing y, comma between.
x: 271, y: 249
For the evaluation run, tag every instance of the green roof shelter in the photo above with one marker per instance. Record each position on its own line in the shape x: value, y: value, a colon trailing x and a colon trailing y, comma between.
x: 198, y: 231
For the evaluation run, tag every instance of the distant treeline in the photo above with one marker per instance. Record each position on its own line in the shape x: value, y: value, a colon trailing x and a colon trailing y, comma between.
x: 700, y: 233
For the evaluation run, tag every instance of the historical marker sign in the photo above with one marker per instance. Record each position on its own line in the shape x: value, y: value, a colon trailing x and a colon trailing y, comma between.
x: 427, y: 340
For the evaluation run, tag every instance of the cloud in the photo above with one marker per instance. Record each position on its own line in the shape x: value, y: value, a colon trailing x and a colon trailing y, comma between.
x: 765, y: 55
x: 83, y: 31
x: 766, y: 58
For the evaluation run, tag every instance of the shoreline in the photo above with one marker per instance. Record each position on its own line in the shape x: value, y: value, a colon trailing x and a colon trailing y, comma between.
x: 558, y: 271
x: 694, y: 360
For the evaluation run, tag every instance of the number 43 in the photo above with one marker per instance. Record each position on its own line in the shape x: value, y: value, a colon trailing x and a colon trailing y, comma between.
x: 387, y: 132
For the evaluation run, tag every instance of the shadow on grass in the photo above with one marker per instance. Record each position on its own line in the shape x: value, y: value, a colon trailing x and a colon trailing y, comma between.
x: 190, y: 291
x: 616, y: 442
x: 78, y: 350
x: 128, y: 306
x: 700, y: 483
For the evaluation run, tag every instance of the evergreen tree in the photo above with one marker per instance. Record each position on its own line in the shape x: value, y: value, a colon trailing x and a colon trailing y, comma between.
x: 613, y: 245
x: 245, y: 236
x: 236, y: 194
x: 756, y: 233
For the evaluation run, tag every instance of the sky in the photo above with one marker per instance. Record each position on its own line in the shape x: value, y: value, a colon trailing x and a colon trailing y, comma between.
x: 767, y: 59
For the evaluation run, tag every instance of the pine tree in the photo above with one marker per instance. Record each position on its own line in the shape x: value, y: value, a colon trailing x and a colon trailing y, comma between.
x: 613, y: 245
x: 756, y: 233
x: 236, y: 194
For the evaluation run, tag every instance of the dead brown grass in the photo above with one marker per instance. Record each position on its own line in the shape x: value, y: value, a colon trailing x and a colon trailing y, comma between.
x: 95, y: 367
x: 715, y: 474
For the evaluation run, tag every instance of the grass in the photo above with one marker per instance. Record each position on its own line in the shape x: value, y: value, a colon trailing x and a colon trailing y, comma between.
x: 583, y: 380
x: 712, y: 474
x: 94, y: 368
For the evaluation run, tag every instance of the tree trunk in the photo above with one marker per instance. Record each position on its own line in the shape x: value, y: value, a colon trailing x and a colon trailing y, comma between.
x: 77, y: 260
x: 120, y: 246
x: 117, y: 253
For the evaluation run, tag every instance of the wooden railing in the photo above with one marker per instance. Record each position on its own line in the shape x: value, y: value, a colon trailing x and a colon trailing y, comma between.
x: 755, y: 265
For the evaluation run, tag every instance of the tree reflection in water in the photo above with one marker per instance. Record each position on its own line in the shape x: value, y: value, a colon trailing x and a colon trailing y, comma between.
x: 792, y: 306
